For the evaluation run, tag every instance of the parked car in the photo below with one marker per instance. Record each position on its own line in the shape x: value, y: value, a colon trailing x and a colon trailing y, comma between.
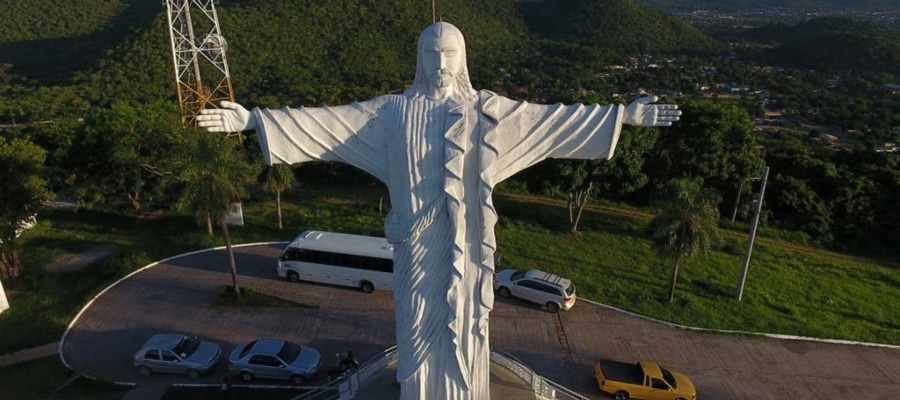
x: 277, y: 359
x: 176, y: 353
x: 552, y: 291
x: 643, y: 380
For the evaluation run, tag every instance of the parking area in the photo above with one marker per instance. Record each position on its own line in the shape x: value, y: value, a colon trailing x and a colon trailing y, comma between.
x: 177, y: 296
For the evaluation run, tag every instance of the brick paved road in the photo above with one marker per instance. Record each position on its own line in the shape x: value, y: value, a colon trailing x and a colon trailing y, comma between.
x: 177, y: 296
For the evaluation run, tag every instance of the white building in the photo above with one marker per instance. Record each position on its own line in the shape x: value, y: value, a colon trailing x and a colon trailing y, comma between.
x: 4, y: 303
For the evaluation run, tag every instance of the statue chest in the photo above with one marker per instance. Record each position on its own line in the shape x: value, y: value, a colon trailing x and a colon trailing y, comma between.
x: 432, y: 145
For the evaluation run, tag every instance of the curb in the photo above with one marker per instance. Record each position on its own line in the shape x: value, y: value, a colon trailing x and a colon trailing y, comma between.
x: 734, y: 332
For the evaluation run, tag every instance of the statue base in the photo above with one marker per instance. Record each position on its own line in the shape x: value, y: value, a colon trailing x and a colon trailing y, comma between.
x: 505, y: 385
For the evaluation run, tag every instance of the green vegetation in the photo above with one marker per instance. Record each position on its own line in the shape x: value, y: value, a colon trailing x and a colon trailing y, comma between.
x: 790, y: 288
x: 624, y: 27
x: 251, y: 298
x: 104, y: 113
x: 277, y: 178
x: 22, y: 193
x: 213, y: 173
x: 44, y: 301
x: 107, y: 117
x: 686, y: 226
x: 48, y: 378
x: 687, y: 5
x: 832, y: 43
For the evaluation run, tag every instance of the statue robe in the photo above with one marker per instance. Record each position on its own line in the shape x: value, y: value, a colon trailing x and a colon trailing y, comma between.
x: 441, y: 161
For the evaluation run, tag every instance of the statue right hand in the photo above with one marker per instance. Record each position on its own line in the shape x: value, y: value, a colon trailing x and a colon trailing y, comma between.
x: 232, y: 117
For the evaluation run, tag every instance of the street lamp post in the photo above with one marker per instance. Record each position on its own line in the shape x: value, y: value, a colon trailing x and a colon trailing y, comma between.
x: 758, y: 208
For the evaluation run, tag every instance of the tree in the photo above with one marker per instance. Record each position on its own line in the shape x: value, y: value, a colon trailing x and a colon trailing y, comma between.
x: 714, y: 141
x: 578, y: 184
x: 620, y: 175
x: 214, y: 174
x: 23, y: 190
x: 624, y: 172
x: 278, y: 178
x: 686, y: 226
x: 124, y: 152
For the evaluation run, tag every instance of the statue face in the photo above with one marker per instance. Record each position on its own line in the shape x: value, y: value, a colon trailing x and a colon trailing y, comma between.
x: 442, y: 59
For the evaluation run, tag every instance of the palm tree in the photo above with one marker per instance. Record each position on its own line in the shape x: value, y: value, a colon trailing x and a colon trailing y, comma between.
x: 214, y: 174
x: 278, y: 178
x: 686, y: 226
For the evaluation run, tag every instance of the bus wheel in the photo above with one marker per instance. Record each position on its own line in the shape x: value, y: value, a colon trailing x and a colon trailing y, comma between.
x: 367, y: 287
x: 293, y: 277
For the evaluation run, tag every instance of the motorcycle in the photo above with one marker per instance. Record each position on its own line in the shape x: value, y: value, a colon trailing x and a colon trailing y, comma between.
x: 346, y: 366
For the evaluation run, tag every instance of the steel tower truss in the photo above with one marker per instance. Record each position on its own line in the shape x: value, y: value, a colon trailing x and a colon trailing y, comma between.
x: 198, y: 46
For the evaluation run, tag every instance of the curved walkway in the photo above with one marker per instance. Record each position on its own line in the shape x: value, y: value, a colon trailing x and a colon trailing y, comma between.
x: 177, y: 295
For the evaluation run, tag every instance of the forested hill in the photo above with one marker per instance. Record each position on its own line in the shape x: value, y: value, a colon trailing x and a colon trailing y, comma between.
x: 832, y: 43
x: 294, y: 52
x: 731, y: 5
x: 622, y: 26
x: 303, y: 46
x: 48, y: 40
x: 121, y: 48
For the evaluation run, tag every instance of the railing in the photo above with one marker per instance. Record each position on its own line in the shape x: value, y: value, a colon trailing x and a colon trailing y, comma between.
x: 543, y: 388
x: 346, y: 387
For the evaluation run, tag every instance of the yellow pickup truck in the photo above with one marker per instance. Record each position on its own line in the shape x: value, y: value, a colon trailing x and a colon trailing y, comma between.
x: 643, y: 380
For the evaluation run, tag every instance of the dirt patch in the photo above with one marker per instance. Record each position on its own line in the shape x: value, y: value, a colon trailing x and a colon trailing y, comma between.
x: 75, y: 262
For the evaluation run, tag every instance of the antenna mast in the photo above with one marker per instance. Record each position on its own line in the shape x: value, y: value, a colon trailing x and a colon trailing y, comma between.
x: 198, y: 46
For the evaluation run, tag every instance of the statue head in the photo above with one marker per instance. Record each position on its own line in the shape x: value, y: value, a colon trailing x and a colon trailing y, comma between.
x: 441, y: 70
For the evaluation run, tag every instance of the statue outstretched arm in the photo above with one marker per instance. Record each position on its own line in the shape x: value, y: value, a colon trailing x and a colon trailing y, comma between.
x: 353, y: 134
x: 527, y: 133
x: 232, y: 117
x: 642, y: 113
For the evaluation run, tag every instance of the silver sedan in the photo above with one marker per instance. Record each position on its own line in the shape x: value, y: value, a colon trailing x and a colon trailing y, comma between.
x: 175, y: 353
x: 276, y: 359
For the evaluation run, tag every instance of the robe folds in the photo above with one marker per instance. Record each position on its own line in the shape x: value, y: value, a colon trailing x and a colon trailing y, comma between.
x: 441, y: 161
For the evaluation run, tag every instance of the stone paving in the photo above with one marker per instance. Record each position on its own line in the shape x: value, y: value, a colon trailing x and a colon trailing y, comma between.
x: 26, y: 355
x: 177, y: 296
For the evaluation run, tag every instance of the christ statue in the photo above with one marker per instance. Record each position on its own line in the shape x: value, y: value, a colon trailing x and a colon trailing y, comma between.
x: 441, y: 148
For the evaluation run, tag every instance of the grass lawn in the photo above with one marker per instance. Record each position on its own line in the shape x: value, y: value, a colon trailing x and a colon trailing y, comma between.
x: 790, y: 288
x: 39, y: 379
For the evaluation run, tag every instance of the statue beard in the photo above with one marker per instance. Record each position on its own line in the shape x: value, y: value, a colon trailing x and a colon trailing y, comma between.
x: 443, y: 78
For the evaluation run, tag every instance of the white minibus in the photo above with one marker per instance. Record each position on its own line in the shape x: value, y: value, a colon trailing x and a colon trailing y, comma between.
x: 364, y: 262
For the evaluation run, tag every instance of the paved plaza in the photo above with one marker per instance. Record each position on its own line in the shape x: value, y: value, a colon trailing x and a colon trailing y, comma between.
x: 177, y: 296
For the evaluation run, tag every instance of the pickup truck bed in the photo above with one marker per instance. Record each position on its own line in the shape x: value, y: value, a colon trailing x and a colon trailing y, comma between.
x: 622, y: 372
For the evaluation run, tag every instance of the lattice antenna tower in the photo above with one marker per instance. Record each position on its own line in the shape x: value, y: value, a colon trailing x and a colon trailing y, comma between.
x: 198, y: 46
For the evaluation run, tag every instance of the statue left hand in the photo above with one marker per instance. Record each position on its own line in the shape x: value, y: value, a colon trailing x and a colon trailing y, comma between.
x: 642, y: 113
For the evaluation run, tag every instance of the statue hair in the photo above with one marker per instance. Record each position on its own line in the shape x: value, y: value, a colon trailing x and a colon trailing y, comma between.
x: 420, y: 83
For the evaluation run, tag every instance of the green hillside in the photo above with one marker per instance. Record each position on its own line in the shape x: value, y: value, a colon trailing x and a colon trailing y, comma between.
x: 52, y: 40
x: 305, y: 51
x: 620, y: 26
x: 832, y: 43
x: 280, y: 52
x: 730, y: 5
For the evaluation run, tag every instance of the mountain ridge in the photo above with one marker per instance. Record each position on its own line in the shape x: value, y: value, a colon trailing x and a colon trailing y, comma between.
x: 831, y: 43
x: 734, y: 5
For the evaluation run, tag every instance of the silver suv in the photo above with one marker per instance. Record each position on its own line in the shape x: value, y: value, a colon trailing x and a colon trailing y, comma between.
x: 552, y: 291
